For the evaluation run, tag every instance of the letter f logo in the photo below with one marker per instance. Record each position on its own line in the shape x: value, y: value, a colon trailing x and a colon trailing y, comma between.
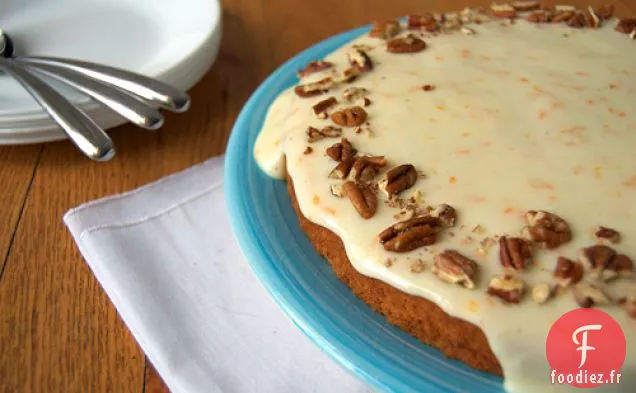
x: 583, y: 343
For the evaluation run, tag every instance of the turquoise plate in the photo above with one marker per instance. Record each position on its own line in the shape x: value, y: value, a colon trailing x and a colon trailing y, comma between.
x: 304, y: 285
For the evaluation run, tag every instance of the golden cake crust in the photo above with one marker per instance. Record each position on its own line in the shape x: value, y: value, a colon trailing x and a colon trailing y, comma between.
x: 454, y: 337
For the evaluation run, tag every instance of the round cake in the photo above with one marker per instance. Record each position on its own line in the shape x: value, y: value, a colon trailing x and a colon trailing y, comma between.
x: 472, y: 176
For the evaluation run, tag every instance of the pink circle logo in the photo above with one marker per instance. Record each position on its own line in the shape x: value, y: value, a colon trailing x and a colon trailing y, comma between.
x: 586, y: 348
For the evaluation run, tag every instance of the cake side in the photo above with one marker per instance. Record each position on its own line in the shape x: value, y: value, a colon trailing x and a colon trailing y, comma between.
x: 423, y: 319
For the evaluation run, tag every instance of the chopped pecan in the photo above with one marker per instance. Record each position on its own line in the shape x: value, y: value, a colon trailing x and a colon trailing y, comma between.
x: 607, y: 234
x: 308, y: 150
x: 541, y: 16
x: 514, y: 252
x: 313, y: 67
x: 546, y: 229
x: 408, y: 44
x: 428, y: 87
x: 541, y: 293
x: 446, y: 214
x: 385, y: 29
x: 626, y: 25
x: 587, y: 295
x: 337, y: 190
x: 577, y: 21
x: 452, y: 267
x: 349, y: 117
x: 562, y: 16
x: 341, y: 171
x: 605, y: 12
x: 567, y: 272
x: 619, y: 266
x: 503, y: 10
x: 360, y: 60
x: 507, y: 287
x: 592, y: 19
x: 408, y: 235
x: 365, y: 168
x: 354, y: 93
x: 320, y: 109
x: 596, y: 258
x: 362, y: 198
x: 525, y: 5
x: 423, y: 22
x: 314, y: 134
x: 342, y: 151
x: 314, y: 88
x: 350, y: 74
x: 399, y: 179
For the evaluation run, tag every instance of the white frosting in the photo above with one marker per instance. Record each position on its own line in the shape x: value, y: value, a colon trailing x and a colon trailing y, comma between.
x: 523, y: 117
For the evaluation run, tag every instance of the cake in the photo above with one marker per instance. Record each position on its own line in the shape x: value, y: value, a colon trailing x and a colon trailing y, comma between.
x: 471, y: 176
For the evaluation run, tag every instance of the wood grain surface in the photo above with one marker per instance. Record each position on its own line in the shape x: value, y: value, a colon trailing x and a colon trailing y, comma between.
x: 58, y: 330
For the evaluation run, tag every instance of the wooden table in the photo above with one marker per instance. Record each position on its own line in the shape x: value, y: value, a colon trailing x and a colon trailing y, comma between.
x: 58, y: 330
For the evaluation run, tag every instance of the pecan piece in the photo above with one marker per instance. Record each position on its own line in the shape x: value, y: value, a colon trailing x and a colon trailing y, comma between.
x: 567, y: 272
x: 562, y: 16
x: 626, y: 25
x: 452, y: 267
x: 337, y: 190
x: 349, y: 117
x: 525, y: 5
x: 503, y: 10
x: 350, y: 74
x: 546, y: 229
x: 541, y: 293
x: 408, y: 44
x: 342, y: 151
x: 365, y: 168
x: 408, y: 235
x: 359, y: 60
x: 385, y: 29
x: 629, y: 303
x: 607, y: 234
x: 514, y: 252
x: 314, y: 88
x: 588, y: 295
x: 423, y: 22
x: 362, y: 198
x: 620, y: 266
x: 577, y: 21
x: 446, y: 214
x: 507, y: 288
x: 314, y: 134
x: 308, y: 150
x: 596, y: 258
x: 313, y: 67
x: 354, y: 93
x: 592, y: 19
x: 341, y: 171
x: 399, y: 179
x: 320, y: 109
x: 541, y: 16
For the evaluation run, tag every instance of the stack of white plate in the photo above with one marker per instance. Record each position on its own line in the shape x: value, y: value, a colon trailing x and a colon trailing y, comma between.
x: 173, y: 41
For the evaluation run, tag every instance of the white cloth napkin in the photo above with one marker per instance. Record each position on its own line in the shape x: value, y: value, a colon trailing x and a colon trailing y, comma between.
x: 167, y: 258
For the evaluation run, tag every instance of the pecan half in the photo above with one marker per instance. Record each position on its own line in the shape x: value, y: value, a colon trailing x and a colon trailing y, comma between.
x: 360, y: 60
x: 546, y: 229
x: 607, y: 234
x: 626, y: 25
x: 567, y: 272
x: 362, y: 198
x: 314, y: 88
x: 588, y: 295
x: 541, y: 293
x: 313, y: 67
x: 514, y: 252
x: 341, y: 171
x: 320, y: 109
x: 398, y: 179
x: 365, y: 168
x: 350, y: 117
x: 342, y: 151
x: 452, y: 267
x: 408, y: 44
x: 446, y: 214
x: 385, y: 29
x: 408, y: 235
x: 314, y: 134
x: 506, y: 287
x: 605, y: 12
x: 503, y: 10
x: 423, y: 22
x: 525, y: 5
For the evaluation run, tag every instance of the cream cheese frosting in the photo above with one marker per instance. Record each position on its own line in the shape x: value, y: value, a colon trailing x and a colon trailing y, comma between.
x: 522, y: 116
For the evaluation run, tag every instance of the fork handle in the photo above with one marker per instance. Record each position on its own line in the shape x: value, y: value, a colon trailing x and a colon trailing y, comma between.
x: 147, y: 88
x: 81, y: 130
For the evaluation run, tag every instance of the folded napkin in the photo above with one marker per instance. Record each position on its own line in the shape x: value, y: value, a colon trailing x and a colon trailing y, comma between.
x: 167, y: 258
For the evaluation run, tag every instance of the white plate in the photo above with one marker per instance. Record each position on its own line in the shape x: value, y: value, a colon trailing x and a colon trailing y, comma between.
x: 174, y: 41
